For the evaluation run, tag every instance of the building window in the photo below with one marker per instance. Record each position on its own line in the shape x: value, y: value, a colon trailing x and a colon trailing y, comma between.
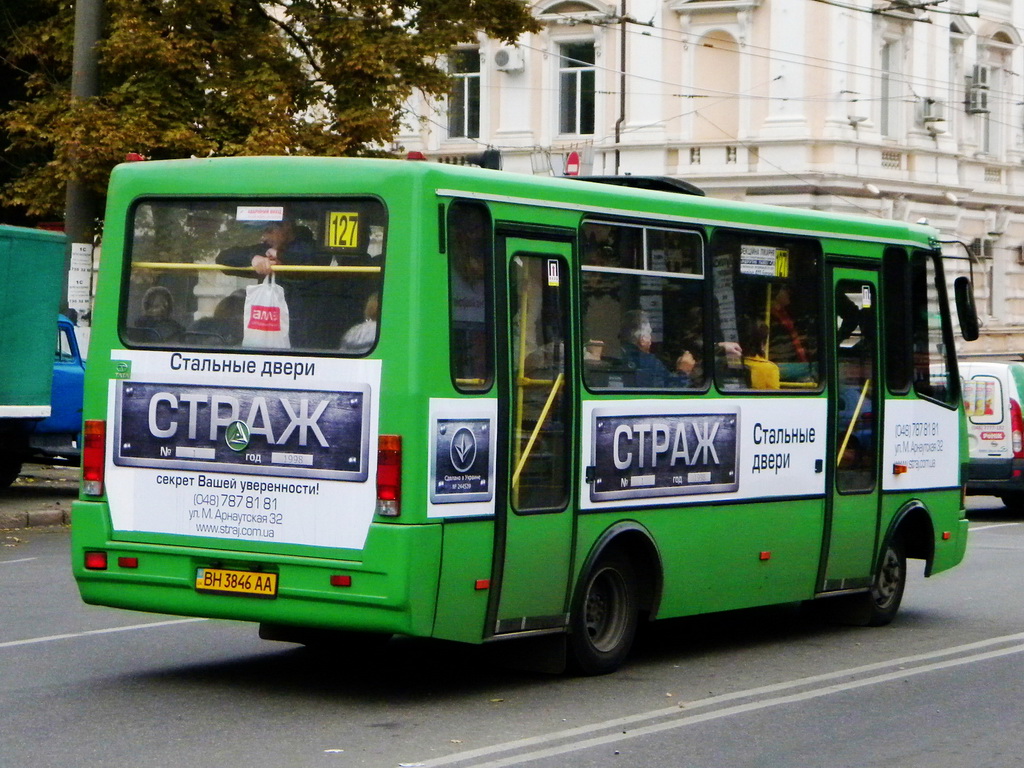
x: 576, y: 72
x: 464, y: 101
x: 889, y: 94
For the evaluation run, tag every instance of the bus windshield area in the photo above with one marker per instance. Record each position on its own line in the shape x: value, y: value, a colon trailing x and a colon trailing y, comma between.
x: 288, y: 275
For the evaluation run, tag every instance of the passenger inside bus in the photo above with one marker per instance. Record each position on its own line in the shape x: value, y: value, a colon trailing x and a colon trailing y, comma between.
x: 787, y: 343
x: 157, y: 308
x: 285, y: 243
x: 647, y: 369
x: 224, y: 327
x: 763, y: 373
x: 691, y: 363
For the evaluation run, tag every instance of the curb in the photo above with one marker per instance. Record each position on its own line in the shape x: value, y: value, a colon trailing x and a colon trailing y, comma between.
x: 40, y: 497
x: 34, y: 518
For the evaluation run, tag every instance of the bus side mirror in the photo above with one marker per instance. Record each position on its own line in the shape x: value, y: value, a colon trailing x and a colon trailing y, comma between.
x: 965, y: 309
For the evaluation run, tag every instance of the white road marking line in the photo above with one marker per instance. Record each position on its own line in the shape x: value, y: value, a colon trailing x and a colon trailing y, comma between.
x: 682, y: 709
x: 742, y: 709
x: 88, y: 633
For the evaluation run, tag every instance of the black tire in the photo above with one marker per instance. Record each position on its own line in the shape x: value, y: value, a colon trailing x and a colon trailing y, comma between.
x: 877, y: 606
x: 10, y: 468
x: 1013, y: 501
x: 887, y: 589
x: 604, y: 618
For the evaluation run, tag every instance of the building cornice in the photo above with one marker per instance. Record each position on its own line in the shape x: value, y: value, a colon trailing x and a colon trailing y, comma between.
x: 695, y: 7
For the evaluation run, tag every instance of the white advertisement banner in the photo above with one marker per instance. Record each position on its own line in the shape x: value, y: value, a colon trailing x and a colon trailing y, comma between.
x: 463, y: 445
x: 695, y: 451
x: 922, y: 446
x: 268, y: 449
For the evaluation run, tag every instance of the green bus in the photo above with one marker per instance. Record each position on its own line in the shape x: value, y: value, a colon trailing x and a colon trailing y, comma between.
x: 354, y: 398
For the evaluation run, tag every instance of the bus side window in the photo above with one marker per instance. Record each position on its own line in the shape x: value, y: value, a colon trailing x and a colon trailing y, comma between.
x: 470, y: 251
x: 767, y: 310
x: 642, y: 307
x: 930, y: 332
x: 898, y: 320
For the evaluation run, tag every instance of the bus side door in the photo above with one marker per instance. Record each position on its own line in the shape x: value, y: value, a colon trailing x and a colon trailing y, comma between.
x: 533, y: 536
x: 853, y: 508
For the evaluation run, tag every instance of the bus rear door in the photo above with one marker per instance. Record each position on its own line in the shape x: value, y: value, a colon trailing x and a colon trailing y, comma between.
x: 533, y: 536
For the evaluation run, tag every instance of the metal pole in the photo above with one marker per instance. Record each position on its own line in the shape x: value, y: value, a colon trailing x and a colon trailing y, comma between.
x: 622, y: 84
x: 81, y: 205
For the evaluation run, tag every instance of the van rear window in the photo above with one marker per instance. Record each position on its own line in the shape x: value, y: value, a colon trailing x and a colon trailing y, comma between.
x: 261, y: 274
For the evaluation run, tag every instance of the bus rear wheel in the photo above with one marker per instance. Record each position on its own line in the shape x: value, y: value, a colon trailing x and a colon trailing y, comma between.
x: 604, y: 619
x: 887, y: 589
x: 878, y: 606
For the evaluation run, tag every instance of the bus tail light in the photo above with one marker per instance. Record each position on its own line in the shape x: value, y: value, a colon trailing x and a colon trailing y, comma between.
x: 95, y: 438
x: 1016, y: 429
x: 95, y: 561
x: 389, y: 475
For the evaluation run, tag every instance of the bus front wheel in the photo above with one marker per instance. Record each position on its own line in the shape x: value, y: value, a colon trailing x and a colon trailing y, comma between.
x: 604, y: 619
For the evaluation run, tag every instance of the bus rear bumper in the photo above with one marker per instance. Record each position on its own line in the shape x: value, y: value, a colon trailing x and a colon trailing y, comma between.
x: 392, y: 589
x: 950, y: 551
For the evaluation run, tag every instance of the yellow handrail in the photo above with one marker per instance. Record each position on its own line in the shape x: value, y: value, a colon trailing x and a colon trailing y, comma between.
x: 536, y: 429
x: 181, y: 265
x: 853, y: 420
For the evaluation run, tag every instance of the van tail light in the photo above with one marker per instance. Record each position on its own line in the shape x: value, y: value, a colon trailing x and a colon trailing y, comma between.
x: 95, y: 440
x: 1016, y: 429
x: 389, y: 475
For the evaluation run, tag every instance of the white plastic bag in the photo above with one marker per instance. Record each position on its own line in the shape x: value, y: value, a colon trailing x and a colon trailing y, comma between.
x: 266, y: 316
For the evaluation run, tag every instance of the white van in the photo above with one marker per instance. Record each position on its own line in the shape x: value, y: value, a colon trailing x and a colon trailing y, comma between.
x: 995, y: 429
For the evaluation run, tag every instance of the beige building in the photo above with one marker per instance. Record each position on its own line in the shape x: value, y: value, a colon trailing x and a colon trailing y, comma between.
x: 904, y: 110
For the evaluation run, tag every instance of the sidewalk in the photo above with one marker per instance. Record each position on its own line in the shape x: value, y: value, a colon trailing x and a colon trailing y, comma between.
x: 40, y: 496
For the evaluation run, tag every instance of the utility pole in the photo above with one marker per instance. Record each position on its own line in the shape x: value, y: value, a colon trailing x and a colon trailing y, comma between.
x: 622, y: 20
x: 622, y: 83
x: 81, y: 205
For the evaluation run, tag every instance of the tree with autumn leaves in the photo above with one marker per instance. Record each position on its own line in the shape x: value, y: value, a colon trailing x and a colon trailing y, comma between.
x: 219, y: 77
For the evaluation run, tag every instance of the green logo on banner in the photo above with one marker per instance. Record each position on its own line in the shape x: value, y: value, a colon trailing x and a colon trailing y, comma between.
x: 237, y: 436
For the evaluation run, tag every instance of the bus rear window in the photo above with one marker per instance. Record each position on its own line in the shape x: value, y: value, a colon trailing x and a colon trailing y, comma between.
x: 286, y: 275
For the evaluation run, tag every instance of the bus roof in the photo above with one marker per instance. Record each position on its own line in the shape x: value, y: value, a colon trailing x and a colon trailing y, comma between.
x: 246, y: 176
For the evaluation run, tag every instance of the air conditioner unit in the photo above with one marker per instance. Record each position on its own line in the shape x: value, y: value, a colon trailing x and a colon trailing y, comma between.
x: 509, y: 59
x: 933, y: 111
x: 981, y: 247
x: 976, y: 102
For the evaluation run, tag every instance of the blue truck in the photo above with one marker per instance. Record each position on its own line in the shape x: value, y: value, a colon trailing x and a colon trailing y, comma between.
x: 41, y: 363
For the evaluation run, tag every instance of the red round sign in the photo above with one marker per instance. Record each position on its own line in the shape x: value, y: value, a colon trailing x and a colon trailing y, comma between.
x: 572, y: 164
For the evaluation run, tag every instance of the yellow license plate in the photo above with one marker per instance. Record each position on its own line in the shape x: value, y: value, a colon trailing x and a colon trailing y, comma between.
x: 225, y: 582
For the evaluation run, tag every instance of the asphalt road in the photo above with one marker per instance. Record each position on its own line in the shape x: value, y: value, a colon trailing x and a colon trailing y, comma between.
x: 942, y: 686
